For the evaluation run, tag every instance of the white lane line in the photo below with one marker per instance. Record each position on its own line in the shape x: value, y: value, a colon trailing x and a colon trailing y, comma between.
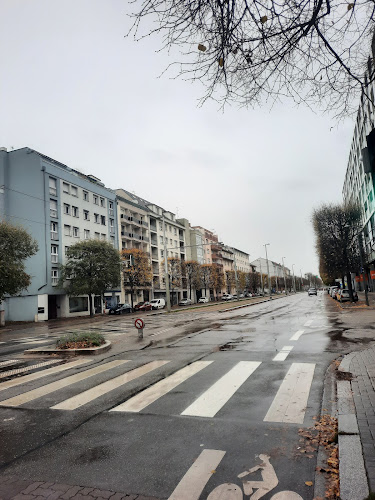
x: 10, y: 361
x: 283, y: 354
x: 211, y: 401
x: 289, y: 404
x: 192, y: 484
x: 148, y: 396
x: 297, y: 335
x: 94, y: 393
x: 59, y: 384
x: 24, y: 369
x: 43, y: 373
x: 308, y: 323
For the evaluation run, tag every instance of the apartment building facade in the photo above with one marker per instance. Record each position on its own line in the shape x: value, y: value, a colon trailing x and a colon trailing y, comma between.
x: 58, y: 206
x: 275, y: 268
x: 359, y: 183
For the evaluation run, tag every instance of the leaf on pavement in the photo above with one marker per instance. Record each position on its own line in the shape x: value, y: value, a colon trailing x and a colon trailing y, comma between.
x: 308, y: 483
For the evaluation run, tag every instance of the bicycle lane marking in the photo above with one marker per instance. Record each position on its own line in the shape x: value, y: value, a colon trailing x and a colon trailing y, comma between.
x: 192, y: 484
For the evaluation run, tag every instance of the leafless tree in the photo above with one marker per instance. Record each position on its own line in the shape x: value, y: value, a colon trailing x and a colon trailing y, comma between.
x: 252, y: 51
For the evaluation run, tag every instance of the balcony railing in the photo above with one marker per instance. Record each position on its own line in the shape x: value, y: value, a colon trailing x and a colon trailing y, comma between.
x: 54, y: 258
x: 54, y: 235
x: 55, y: 281
x: 53, y: 191
x: 53, y: 212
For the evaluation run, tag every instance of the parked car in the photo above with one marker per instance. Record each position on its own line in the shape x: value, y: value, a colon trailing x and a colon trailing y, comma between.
x: 344, y: 295
x: 203, y: 300
x: 120, y: 309
x: 185, y: 302
x: 312, y: 291
x: 157, y: 303
x: 333, y: 290
x: 143, y: 306
x: 227, y: 296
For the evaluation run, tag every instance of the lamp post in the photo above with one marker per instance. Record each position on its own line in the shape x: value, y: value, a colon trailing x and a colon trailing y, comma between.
x: 294, y: 280
x: 268, y: 270
x: 286, y: 288
x: 235, y: 274
x: 301, y: 280
x: 168, y: 297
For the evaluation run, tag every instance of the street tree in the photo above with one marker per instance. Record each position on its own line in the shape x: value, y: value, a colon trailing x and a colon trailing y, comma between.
x: 136, y: 271
x: 205, y: 275
x: 336, y: 229
x: 175, y: 275
x: 217, y: 279
x: 241, y: 277
x: 230, y: 280
x: 191, y: 270
x: 16, y: 245
x: 92, y: 267
x: 253, y: 281
x: 250, y: 52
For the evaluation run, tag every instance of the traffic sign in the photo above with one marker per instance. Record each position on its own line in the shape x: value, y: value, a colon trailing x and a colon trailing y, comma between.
x: 139, y: 323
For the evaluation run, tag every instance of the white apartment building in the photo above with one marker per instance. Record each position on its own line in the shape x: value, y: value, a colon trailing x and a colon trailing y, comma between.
x: 242, y: 260
x: 275, y: 268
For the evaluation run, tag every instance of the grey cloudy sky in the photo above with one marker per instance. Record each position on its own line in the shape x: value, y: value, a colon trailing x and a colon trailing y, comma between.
x: 74, y: 88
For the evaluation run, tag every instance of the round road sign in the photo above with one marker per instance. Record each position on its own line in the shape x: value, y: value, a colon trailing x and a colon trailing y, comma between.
x: 139, y: 323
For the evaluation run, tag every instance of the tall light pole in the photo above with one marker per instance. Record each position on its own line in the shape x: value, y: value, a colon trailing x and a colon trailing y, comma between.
x: 235, y: 273
x: 261, y: 275
x: 168, y: 297
x: 294, y: 280
x: 268, y: 270
x: 286, y: 288
x: 301, y: 280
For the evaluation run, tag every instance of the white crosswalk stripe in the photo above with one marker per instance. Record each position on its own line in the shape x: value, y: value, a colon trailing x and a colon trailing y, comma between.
x: 211, y: 401
x: 289, y: 404
x: 94, y: 393
x: 9, y: 361
x: 283, y: 354
x: 24, y: 369
x: 59, y: 384
x: 43, y: 373
x: 150, y: 395
x: 297, y: 335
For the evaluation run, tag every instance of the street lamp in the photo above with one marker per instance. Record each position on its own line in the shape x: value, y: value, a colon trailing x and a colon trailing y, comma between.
x: 168, y: 297
x: 301, y: 280
x: 286, y: 288
x: 294, y: 280
x: 268, y: 271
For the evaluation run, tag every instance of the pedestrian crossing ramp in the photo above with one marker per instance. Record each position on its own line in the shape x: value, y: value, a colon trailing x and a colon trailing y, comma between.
x: 203, y: 389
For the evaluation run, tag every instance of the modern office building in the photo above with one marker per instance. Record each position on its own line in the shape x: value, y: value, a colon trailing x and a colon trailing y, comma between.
x: 58, y: 206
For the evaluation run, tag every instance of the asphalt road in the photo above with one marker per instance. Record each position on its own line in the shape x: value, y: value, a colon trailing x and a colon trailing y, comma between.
x: 190, y: 413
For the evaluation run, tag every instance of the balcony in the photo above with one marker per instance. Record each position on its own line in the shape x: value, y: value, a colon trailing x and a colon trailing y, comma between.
x: 53, y: 212
x: 55, y: 281
x: 54, y: 258
x: 53, y: 191
x: 54, y: 235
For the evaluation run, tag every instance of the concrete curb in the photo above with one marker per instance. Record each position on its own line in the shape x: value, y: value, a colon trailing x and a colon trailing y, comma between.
x: 353, y: 477
x: 253, y: 303
x: 88, y: 351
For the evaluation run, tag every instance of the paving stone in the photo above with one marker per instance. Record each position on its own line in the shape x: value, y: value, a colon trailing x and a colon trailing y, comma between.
x: 82, y: 497
x: 118, y: 496
x: 24, y: 497
x: 61, y: 487
x: 43, y: 492
x: 102, y: 493
x: 31, y: 488
x: 55, y: 495
x: 353, y: 479
x: 46, y: 485
x: 12, y: 488
x: 348, y: 424
x: 86, y: 491
x: 71, y: 492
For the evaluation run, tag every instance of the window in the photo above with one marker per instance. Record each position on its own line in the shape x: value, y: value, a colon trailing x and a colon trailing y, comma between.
x: 75, y: 211
x: 53, y: 208
x: 66, y: 251
x: 86, y: 234
x: 103, y: 236
x: 97, y: 236
x: 67, y: 230
x: 96, y: 199
x: 66, y: 188
x: 85, y: 195
x: 54, y: 254
x: 52, y: 186
x: 110, y: 204
x: 112, y: 225
x: 55, y: 276
x: 96, y: 218
x: 162, y: 253
x: 112, y: 238
x: 102, y: 203
x: 161, y: 239
x: 161, y: 226
x: 175, y: 231
x: 66, y: 209
x: 102, y: 219
x: 175, y: 243
x: 76, y: 232
x: 170, y: 229
x: 78, y: 304
x: 86, y: 215
x: 54, y: 233
x: 170, y: 242
x: 74, y: 191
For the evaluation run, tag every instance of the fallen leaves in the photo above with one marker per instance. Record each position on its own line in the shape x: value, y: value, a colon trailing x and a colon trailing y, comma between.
x: 263, y: 19
x: 308, y: 483
x: 202, y: 47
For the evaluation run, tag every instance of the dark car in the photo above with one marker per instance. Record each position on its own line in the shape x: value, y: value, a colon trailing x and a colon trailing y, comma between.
x: 120, y: 309
x: 143, y: 306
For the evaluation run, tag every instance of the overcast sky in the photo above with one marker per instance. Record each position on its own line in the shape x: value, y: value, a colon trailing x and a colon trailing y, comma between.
x: 74, y: 88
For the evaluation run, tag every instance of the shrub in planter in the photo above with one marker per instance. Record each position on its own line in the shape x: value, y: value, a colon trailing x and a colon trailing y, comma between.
x: 80, y: 340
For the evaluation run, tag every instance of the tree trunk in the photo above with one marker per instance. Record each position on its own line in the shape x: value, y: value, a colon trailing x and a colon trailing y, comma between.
x: 91, y: 299
x: 350, y: 286
x: 131, y: 297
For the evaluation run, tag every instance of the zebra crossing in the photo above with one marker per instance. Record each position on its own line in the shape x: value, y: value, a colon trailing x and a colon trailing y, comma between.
x: 288, y: 405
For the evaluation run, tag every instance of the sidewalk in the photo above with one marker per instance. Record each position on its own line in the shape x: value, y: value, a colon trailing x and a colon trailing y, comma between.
x: 356, y: 414
x: 361, y: 304
x: 15, y: 489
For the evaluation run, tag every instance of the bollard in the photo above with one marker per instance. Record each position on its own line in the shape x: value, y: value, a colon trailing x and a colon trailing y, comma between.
x: 140, y: 333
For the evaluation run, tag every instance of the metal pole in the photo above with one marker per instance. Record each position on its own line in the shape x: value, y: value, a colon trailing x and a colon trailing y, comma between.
x: 268, y: 271
x: 301, y: 280
x: 261, y: 276
x: 294, y: 280
x: 168, y: 297
x: 235, y: 274
x: 286, y: 288
x: 361, y: 260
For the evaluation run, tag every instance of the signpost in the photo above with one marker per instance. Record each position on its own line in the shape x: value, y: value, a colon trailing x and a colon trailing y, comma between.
x: 139, y: 324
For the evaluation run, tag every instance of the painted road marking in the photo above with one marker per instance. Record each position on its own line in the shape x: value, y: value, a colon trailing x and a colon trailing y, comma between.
x: 94, y: 393
x: 15, y: 371
x: 283, y: 354
x: 211, y: 401
x: 43, y: 373
x: 289, y: 404
x: 192, y: 484
x: 150, y: 395
x: 10, y: 361
x: 297, y: 335
x: 60, y: 384
x: 308, y: 323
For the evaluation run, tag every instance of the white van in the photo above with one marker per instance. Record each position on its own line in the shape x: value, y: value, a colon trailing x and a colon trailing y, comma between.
x: 157, y: 303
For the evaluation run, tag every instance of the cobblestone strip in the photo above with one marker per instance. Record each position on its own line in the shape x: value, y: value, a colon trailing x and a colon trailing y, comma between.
x: 363, y: 387
x: 9, y: 373
x: 15, y: 489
